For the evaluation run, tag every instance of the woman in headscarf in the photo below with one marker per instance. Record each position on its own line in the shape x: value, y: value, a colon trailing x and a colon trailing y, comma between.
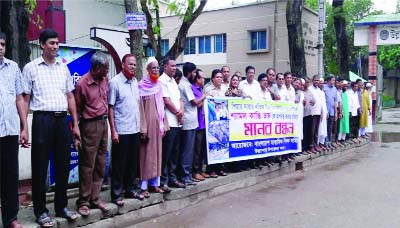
x: 153, y: 126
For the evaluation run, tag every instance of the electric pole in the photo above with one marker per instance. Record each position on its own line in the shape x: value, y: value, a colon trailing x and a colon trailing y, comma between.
x: 321, y: 26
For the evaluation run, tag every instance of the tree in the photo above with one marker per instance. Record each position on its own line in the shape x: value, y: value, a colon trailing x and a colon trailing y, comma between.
x: 295, y: 35
x: 339, y: 22
x: 14, y: 21
x: 353, y: 10
x: 136, y: 39
x: 190, y: 14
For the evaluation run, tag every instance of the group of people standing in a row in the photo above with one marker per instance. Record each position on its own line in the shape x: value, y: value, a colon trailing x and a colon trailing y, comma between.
x: 157, y: 125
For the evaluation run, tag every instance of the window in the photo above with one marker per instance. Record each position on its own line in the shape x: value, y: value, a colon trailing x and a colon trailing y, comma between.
x: 190, y: 46
x: 204, y: 44
x: 164, y: 49
x: 220, y: 43
x: 150, y: 51
x: 258, y: 40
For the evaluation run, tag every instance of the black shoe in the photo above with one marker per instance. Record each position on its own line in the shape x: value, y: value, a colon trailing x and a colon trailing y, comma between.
x: 165, y: 188
x: 195, y: 180
x: 134, y: 195
x: 177, y: 184
x: 189, y: 182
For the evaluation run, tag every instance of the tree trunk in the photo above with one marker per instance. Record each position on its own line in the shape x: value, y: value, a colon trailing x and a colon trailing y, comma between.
x: 295, y: 35
x: 14, y: 21
x: 136, y: 37
x: 339, y: 22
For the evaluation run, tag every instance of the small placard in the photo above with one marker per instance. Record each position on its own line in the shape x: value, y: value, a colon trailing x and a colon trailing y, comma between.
x: 136, y: 20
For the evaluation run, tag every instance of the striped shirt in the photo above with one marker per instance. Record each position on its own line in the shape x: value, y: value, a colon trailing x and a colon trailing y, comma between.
x: 10, y: 87
x: 48, y: 85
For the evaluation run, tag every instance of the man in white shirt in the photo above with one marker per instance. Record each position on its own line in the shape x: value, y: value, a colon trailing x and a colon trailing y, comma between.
x: 225, y: 78
x: 280, y: 88
x: 291, y: 94
x: 174, y: 112
x: 265, y: 94
x: 316, y: 112
x: 250, y: 87
x: 354, y: 109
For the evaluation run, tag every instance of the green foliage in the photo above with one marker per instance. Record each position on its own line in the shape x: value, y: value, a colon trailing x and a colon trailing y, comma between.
x: 30, y: 5
x: 386, y: 98
x: 353, y: 10
x: 389, y: 56
x: 313, y: 4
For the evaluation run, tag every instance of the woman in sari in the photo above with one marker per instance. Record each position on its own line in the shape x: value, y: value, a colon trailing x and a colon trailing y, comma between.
x: 233, y: 90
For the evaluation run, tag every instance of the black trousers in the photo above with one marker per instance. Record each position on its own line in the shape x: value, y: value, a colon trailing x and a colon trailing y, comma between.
x: 170, y: 155
x: 307, y: 132
x: 124, y: 164
x: 9, y: 178
x: 329, y: 127
x: 314, y: 129
x: 50, y: 134
x: 200, y: 151
x: 354, y: 126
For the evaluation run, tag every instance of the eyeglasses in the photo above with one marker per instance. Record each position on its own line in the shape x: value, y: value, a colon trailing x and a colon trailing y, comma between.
x: 281, y: 79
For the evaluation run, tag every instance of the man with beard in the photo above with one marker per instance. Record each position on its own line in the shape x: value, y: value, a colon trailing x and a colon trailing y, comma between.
x: 153, y: 127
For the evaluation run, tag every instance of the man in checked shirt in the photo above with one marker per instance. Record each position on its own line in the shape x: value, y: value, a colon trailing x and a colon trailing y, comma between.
x: 10, y: 93
x: 47, y: 86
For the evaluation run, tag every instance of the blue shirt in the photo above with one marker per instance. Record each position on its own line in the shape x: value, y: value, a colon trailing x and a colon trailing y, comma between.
x: 124, y: 97
x: 331, y: 98
x: 10, y: 87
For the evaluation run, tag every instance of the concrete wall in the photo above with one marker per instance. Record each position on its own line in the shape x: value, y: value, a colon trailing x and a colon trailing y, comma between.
x: 80, y: 16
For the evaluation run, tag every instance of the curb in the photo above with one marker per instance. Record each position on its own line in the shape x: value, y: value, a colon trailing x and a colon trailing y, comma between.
x: 135, y: 211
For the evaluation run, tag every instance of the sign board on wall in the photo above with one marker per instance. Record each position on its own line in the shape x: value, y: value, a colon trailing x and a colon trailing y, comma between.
x: 386, y: 35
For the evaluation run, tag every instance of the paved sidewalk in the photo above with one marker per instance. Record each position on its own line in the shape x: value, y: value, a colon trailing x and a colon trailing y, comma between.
x: 135, y: 211
x: 390, y: 116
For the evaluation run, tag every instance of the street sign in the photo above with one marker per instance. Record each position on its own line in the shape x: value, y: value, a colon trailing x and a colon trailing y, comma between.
x: 136, y: 21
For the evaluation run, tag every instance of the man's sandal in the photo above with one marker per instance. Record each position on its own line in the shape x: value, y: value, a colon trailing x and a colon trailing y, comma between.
x: 15, y: 224
x: 84, y: 211
x: 67, y: 214
x: 44, y: 220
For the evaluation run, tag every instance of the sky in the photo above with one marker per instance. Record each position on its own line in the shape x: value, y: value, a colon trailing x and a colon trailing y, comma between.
x: 388, y: 6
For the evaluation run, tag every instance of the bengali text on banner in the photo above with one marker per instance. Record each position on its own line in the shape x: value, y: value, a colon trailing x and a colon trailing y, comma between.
x: 239, y: 129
